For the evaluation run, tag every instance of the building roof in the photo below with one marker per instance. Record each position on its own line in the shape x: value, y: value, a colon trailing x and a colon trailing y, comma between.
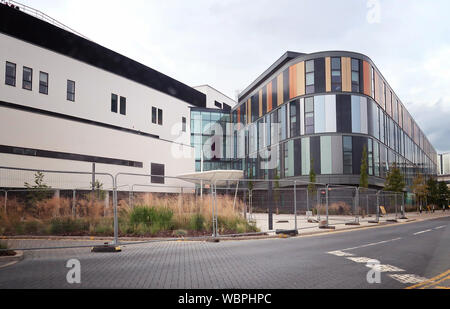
x: 22, y: 26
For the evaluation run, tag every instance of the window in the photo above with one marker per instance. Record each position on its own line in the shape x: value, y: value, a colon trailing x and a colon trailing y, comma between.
x: 27, y: 80
x: 355, y: 75
x: 114, y: 103
x: 348, y: 158
x: 160, y: 117
x: 183, y: 122
x: 43, y: 82
x: 157, y: 170
x: 370, y: 156
x: 293, y: 115
x: 154, y: 115
x: 123, y: 105
x: 336, y: 79
x: 309, y: 70
x: 157, y: 116
x: 10, y: 74
x: 71, y: 91
x: 309, y: 115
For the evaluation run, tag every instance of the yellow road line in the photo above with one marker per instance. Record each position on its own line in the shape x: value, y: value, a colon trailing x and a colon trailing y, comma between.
x: 436, y: 282
x: 431, y: 281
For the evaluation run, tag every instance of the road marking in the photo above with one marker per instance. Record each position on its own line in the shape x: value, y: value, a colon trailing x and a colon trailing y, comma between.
x: 435, y: 280
x: 408, y: 278
x: 421, y: 232
x: 384, y: 268
x: 340, y: 253
x: 372, y: 244
x: 440, y: 227
x: 359, y: 259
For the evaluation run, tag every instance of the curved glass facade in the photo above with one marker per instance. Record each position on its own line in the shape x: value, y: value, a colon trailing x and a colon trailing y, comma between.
x: 327, y: 110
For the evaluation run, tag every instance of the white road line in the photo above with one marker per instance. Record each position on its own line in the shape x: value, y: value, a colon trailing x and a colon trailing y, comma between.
x: 340, y: 253
x: 440, y: 227
x: 372, y: 244
x: 408, y: 278
x: 359, y: 259
x: 386, y: 268
x: 421, y: 232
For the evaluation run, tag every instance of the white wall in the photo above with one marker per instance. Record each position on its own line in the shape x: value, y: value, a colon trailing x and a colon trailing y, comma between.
x: 93, y: 101
x: 214, y: 95
x: 93, y: 91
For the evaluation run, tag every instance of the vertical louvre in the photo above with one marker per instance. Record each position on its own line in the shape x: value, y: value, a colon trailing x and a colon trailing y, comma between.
x: 280, y: 89
x: 346, y: 74
x: 367, y: 79
x: 300, y: 78
x: 327, y: 74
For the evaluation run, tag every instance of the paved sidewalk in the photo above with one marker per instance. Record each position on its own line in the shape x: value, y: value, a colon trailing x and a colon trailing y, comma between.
x: 287, y: 222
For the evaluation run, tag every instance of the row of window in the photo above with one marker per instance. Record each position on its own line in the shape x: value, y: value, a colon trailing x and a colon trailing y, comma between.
x: 118, y: 103
x: 325, y: 75
x: 332, y: 113
x: 334, y: 155
x: 27, y: 80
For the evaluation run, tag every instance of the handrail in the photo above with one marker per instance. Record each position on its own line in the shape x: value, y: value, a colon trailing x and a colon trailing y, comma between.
x: 42, y: 16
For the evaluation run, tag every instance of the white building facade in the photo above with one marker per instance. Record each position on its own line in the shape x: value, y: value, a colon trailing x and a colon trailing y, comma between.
x: 66, y: 102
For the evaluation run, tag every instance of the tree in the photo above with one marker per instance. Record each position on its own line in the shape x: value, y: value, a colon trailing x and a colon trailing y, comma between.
x: 394, y: 180
x: 38, y: 192
x: 312, y: 180
x: 433, y: 191
x: 419, y: 188
x: 364, y: 178
x: 99, y: 193
x: 444, y: 194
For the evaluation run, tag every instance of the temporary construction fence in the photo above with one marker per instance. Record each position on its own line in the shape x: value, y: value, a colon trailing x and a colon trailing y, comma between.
x: 77, y: 203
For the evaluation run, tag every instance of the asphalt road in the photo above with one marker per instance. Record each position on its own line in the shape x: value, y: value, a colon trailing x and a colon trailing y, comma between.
x: 409, y: 254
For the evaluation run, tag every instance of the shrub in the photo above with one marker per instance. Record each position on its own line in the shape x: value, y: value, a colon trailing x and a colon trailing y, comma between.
x: 197, y: 222
x: 63, y: 226
x: 151, y: 217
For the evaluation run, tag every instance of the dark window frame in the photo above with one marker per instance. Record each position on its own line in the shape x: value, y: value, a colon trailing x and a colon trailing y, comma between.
x: 160, y: 117
x: 183, y: 124
x: 154, y: 115
x: 70, y: 96
x: 157, y: 172
x: 336, y: 86
x: 310, y: 88
x: 11, y: 77
x: 41, y: 84
x: 355, y: 84
x: 26, y: 81
x: 123, y: 105
x: 348, y: 152
x: 114, y: 102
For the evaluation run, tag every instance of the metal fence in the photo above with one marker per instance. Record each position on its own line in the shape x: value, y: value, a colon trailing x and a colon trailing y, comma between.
x: 117, y: 207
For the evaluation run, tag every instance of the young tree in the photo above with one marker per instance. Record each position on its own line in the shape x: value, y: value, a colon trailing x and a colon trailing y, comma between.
x: 419, y: 188
x: 433, y: 191
x: 394, y: 180
x: 363, y: 177
x: 312, y: 180
x: 444, y: 194
x: 37, y: 192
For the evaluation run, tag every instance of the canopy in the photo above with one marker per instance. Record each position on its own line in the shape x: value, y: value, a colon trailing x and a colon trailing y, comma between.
x: 218, y: 177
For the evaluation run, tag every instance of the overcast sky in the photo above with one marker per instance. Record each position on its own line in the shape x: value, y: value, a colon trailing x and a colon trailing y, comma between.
x: 229, y: 43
